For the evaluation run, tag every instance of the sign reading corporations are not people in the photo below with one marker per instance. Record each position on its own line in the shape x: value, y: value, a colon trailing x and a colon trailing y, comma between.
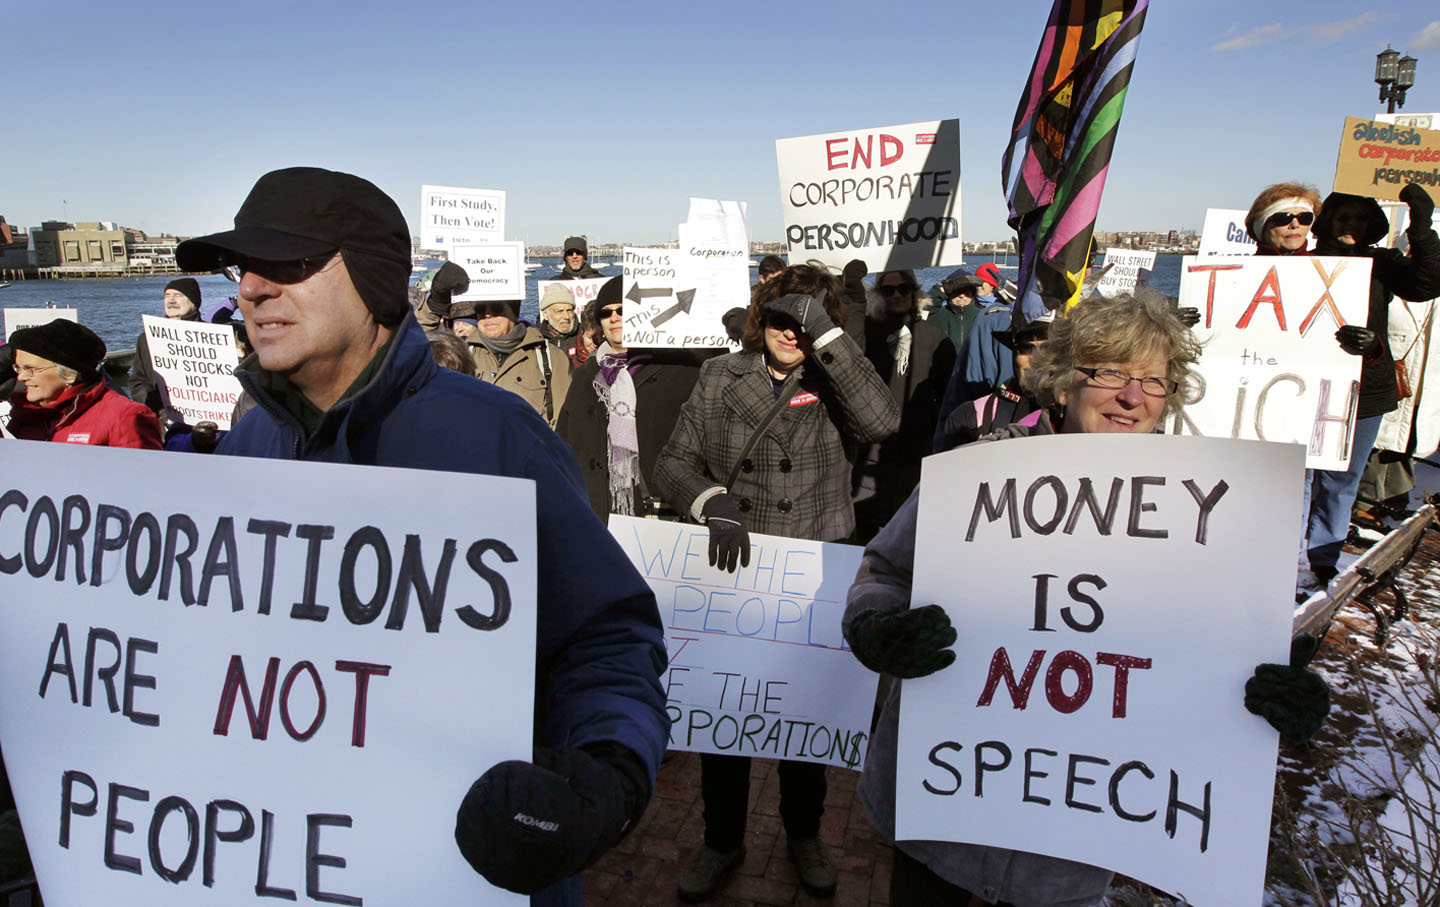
x: 1094, y: 712
x: 758, y: 665
x: 219, y: 692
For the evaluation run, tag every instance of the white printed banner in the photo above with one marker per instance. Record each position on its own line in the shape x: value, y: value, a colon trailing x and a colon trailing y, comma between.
x: 1224, y: 233
x: 15, y: 319
x: 889, y: 196
x: 1271, y: 368
x: 1126, y: 267
x: 250, y: 689
x: 451, y: 216
x: 197, y: 362
x: 758, y: 665
x: 1112, y: 595
x: 496, y: 271
x: 584, y: 290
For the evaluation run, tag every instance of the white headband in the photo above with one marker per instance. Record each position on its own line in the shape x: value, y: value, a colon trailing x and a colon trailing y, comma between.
x: 1258, y: 223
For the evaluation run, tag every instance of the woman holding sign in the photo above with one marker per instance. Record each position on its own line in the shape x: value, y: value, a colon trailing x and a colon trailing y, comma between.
x: 767, y: 441
x: 1110, y: 365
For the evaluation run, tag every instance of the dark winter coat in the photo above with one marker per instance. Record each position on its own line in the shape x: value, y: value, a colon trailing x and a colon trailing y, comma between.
x: 584, y: 271
x: 954, y: 320
x: 97, y: 414
x: 969, y: 422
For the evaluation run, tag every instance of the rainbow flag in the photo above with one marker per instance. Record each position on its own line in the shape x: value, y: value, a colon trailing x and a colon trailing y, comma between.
x: 1054, y: 169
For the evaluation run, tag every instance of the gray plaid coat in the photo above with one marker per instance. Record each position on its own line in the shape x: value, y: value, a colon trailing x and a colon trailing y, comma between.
x: 795, y: 482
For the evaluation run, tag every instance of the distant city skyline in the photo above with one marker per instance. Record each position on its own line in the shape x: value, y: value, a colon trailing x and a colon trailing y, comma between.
x: 605, y: 121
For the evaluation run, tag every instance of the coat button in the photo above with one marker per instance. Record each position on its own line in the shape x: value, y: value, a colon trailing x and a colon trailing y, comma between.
x: 785, y: 465
x: 783, y: 505
x: 745, y: 505
x: 747, y: 466
x: 827, y: 358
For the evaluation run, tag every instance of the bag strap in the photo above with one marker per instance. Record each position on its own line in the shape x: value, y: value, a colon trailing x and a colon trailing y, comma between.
x: 787, y: 390
x: 549, y: 380
x: 1419, y: 328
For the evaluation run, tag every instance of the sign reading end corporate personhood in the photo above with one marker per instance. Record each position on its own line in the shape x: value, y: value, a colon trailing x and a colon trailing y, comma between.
x: 1379, y: 159
x: 889, y: 196
x: 758, y: 665
x: 451, y: 216
x: 255, y: 689
x: 1113, y: 595
x: 496, y: 271
x: 15, y: 319
x: 1271, y: 368
x: 197, y: 362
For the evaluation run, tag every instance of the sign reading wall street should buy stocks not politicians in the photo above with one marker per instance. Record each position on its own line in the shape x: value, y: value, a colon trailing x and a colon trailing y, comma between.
x: 1112, y: 595
x: 219, y: 692
x: 888, y: 196
x: 758, y: 666
x: 197, y: 362
x: 1271, y: 369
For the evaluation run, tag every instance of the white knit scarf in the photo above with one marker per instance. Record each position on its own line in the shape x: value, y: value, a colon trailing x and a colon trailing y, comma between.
x: 616, y: 389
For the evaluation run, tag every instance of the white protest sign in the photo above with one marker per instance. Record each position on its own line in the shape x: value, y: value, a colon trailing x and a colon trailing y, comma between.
x: 452, y: 216
x: 496, y: 271
x: 15, y: 319
x: 227, y: 692
x: 758, y: 666
x: 1117, y: 593
x: 1271, y: 368
x: 584, y: 289
x: 889, y: 196
x: 1125, y: 269
x: 1224, y: 233
x: 197, y: 362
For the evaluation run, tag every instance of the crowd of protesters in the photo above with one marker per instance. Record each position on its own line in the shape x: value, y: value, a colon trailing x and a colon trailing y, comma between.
x: 815, y: 429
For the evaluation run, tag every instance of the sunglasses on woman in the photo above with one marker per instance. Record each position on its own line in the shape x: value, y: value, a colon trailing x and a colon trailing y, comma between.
x: 1283, y: 219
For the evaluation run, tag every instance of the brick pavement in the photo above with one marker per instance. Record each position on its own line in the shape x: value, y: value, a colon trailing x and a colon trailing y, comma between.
x: 644, y: 869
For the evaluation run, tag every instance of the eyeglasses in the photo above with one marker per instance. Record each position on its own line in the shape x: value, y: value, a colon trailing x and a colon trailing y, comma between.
x: 893, y: 289
x: 25, y: 371
x: 1283, y: 219
x: 569, y: 252
x: 1115, y: 379
x: 492, y: 310
x: 284, y: 271
x: 612, y: 311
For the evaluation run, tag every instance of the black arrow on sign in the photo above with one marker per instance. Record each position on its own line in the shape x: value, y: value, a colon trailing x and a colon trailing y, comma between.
x: 636, y: 294
x: 687, y: 299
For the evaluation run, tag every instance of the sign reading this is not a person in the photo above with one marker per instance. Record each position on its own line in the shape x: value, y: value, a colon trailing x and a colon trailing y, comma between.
x: 758, y: 665
x: 1095, y: 710
x: 250, y: 690
x: 197, y: 362
x: 889, y: 196
x: 1271, y: 368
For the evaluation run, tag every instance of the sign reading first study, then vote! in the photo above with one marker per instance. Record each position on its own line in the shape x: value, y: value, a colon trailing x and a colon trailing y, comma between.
x: 1112, y: 593
x: 256, y: 689
x: 197, y: 363
x: 1271, y: 368
x: 889, y: 196
x: 758, y: 665
x: 453, y: 215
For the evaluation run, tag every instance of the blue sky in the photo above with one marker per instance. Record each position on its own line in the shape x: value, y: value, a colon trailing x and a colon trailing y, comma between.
x: 606, y: 119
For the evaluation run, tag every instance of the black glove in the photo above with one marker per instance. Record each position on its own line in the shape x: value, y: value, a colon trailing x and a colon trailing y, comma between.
x: 1293, y: 698
x: 205, y: 437
x: 525, y: 826
x: 1188, y: 316
x: 1358, y: 341
x: 729, y: 533
x: 906, y: 642
x: 1422, y: 206
x: 807, y: 311
x: 450, y: 279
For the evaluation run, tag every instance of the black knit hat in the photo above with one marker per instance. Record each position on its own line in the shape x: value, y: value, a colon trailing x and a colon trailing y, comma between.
x: 306, y: 212
x: 64, y: 342
x: 609, y: 292
x: 578, y: 243
x: 187, y: 286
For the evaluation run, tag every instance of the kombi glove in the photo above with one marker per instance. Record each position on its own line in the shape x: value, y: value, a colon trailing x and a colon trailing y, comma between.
x: 449, y: 280
x: 729, y: 533
x: 1422, y: 206
x: 807, y: 311
x: 1293, y: 698
x: 902, y: 641
x: 1358, y: 341
x: 526, y: 825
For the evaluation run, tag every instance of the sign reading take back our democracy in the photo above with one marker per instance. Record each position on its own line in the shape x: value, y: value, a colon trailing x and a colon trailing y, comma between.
x: 256, y: 689
x: 889, y: 196
x: 197, y: 363
x: 1271, y: 369
x: 1094, y: 712
x: 758, y: 666
x: 452, y: 216
x: 1378, y: 159
x: 496, y: 271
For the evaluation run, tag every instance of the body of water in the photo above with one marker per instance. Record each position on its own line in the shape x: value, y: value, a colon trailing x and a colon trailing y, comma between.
x: 112, y: 307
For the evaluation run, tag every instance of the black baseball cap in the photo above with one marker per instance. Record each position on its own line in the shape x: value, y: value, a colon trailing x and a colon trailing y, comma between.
x: 304, y: 212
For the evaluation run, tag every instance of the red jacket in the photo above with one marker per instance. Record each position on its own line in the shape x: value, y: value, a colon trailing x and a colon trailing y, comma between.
x: 86, y: 415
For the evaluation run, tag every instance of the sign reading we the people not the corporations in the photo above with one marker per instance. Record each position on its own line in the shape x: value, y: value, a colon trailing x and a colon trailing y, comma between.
x: 453, y: 215
x: 256, y: 690
x: 1271, y: 367
x: 1095, y: 710
x: 889, y: 196
x: 197, y: 364
x: 758, y: 665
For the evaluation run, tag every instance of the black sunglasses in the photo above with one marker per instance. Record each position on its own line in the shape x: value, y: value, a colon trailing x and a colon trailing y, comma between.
x: 893, y: 289
x: 283, y: 271
x: 494, y: 308
x: 612, y: 310
x: 1283, y: 219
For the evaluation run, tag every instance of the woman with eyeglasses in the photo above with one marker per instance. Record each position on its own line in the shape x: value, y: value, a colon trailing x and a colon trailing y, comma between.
x: 767, y: 441
x: 65, y: 397
x: 1110, y: 365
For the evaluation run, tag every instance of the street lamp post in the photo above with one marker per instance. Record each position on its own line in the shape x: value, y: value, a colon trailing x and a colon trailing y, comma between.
x: 1394, y: 74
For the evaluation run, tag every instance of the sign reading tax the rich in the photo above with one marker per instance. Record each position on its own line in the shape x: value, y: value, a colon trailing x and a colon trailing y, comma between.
x: 249, y: 689
x: 196, y: 364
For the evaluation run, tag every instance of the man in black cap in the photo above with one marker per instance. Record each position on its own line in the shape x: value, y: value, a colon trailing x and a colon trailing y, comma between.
x: 182, y: 303
x: 576, y: 267
x: 343, y: 373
